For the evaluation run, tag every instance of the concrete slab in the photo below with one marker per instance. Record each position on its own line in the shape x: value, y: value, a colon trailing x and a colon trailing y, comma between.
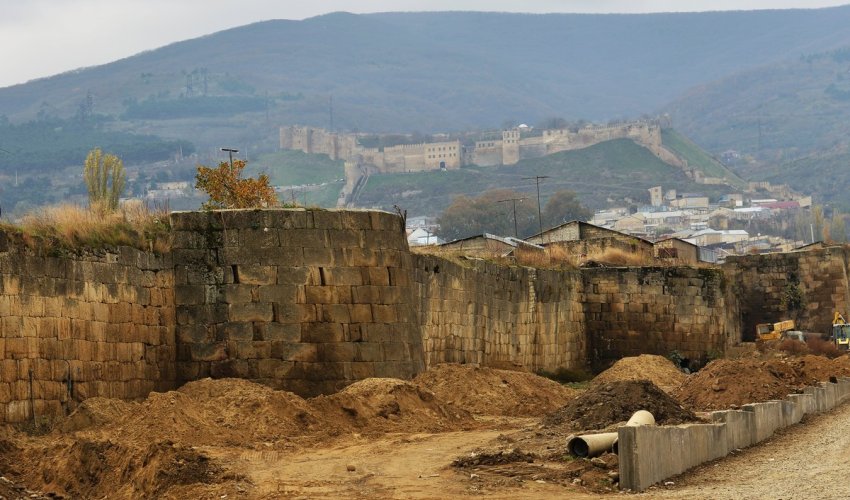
x: 649, y: 454
x: 740, y: 427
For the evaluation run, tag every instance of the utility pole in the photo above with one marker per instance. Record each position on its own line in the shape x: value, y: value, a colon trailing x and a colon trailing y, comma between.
x: 513, y: 201
x: 537, y: 181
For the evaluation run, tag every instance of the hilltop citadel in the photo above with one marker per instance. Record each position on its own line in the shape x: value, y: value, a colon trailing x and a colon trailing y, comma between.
x: 508, y: 147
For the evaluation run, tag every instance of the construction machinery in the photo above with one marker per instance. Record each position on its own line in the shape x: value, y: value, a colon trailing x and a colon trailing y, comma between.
x: 840, y: 332
x: 773, y: 331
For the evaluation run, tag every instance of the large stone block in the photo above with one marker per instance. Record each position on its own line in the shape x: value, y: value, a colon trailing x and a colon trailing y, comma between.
x: 254, y: 311
x: 208, y: 352
x: 322, y: 332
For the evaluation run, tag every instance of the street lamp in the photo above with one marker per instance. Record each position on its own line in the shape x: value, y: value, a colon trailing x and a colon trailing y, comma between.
x: 230, y: 151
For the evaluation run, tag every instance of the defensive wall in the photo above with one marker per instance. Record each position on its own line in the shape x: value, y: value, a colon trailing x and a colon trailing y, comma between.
x: 80, y: 326
x: 312, y: 300
x: 806, y: 286
x: 509, y: 149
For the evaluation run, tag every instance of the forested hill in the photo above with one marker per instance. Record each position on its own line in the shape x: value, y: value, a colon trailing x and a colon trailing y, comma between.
x: 434, y: 71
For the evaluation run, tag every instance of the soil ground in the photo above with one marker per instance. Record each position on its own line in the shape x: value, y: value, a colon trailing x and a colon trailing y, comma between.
x: 455, y: 432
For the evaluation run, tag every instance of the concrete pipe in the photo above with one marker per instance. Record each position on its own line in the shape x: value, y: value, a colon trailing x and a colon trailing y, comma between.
x: 591, y: 445
x: 640, y: 417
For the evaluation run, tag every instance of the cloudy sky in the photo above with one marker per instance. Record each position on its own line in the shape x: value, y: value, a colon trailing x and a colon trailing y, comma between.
x: 43, y: 37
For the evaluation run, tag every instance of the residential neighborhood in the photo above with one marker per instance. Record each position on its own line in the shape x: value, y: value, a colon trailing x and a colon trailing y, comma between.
x: 687, y: 227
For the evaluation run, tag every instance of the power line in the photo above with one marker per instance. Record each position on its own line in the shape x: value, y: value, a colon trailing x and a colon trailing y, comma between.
x: 514, y: 200
x: 539, y: 214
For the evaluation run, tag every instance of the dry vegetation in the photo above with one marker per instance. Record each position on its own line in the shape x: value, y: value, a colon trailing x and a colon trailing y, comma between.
x: 74, y: 227
x: 551, y: 257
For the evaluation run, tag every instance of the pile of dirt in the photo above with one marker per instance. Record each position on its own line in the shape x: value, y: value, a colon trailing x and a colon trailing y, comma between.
x: 86, y: 468
x: 813, y: 369
x: 390, y: 405
x: 488, y: 391
x: 730, y: 383
x: 608, y: 404
x: 657, y: 369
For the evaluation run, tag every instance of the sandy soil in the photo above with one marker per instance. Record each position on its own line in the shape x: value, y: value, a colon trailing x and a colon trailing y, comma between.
x: 386, y: 438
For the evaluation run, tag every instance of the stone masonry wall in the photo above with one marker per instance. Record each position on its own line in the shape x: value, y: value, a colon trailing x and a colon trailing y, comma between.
x: 303, y: 300
x: 82, y: 326
x: 497, y: 316
x: 658, y: 310
x: 804, y: 286
x: 313, y: 300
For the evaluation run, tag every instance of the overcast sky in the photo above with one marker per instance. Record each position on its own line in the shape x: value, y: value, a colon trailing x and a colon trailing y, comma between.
x: 43, y: 37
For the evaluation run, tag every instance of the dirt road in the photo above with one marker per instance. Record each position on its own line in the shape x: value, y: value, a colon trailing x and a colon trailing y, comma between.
x: 810, y: 460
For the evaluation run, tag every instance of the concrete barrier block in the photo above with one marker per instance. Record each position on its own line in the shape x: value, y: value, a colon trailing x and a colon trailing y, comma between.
x: 740, y: 427
x: 818, y: 396
x: 649, y: 454
x: 791, y: 414
x: 805, y: 403
x: 768, y: 418
x: 829, y: 395
x: 844, y: 387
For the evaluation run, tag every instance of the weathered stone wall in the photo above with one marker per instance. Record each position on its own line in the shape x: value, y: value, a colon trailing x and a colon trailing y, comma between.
x: 498, y: 316
x: 304, y: 300
x: 83, y: 326
x: 658, y: 310
x: 804, y: 286
x: 313, y: 300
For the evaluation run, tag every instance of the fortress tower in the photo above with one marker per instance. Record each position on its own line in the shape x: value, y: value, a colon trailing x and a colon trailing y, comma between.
x: 510, y: 146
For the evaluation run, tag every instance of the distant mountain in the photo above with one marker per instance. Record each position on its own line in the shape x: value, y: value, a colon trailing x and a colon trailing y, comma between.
x: 789, y: 122
x: 426, y: 71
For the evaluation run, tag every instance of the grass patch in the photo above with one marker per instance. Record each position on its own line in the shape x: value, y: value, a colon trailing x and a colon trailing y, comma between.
x: 698, y: 157
x: 295, y: 168
x: 72, y: 227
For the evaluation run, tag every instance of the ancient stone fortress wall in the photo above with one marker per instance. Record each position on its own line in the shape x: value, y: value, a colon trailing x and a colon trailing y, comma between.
x: 491, y: 315
x: 658, y: 310
x: 312, y: 300
x: 804, y: 286
x: 79, y: 326
x: 303, y: 300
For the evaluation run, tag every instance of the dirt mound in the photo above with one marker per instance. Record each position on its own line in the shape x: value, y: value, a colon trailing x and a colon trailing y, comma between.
x: 724, y: 383
x: 96, y: 468
x: 487, y: 391
x: 96, y: 412
x: 607, y: 404
x: 387, y: 405
x: 657, y: 369
x: 815, y: 369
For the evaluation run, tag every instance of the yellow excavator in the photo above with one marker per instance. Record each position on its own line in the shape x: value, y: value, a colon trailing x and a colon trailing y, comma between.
x: 840, y: 332
x: 773, y: 331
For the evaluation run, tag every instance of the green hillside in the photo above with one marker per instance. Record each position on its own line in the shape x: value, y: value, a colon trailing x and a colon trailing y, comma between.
x: 774, y: 113
x: 294, y: 168
x: 613, y: 172
x: 698, y: 158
